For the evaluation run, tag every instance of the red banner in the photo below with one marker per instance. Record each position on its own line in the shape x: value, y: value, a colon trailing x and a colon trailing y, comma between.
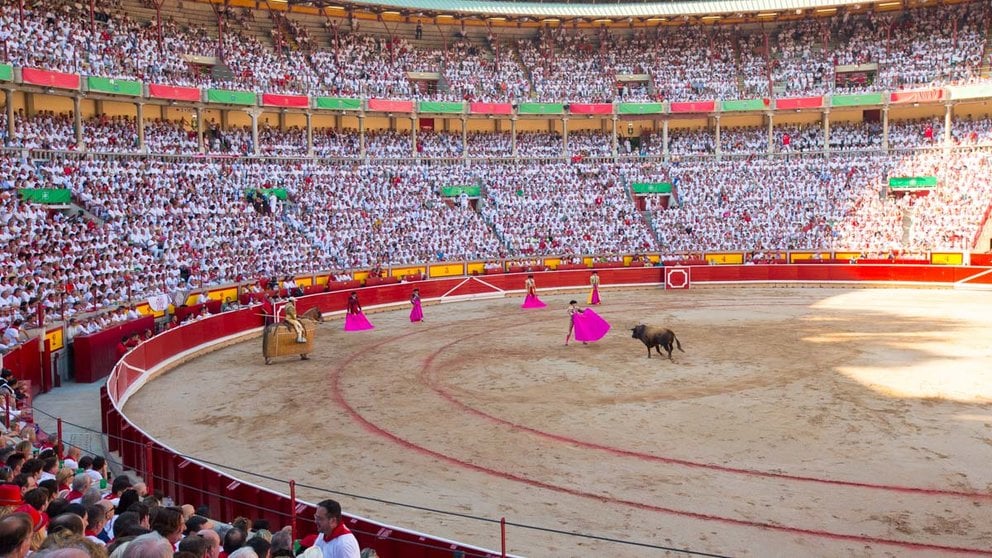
x: 601, y: 108
x: 384, y: 105
x: 173, y: 93
x: 697, y: 106
x: 34, y: 76
x: 918, y: 96
x: 799, y: 103
x: 289, y: 101
x: 490, y: 108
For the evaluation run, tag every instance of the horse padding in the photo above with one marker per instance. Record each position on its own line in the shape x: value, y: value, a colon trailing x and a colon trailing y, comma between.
x: 280, y: 340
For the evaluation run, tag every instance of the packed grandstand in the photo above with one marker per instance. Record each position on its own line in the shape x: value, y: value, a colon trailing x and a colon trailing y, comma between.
x: 165, y: 196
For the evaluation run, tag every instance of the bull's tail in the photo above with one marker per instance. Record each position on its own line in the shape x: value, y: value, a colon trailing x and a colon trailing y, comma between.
x: 677, y: 344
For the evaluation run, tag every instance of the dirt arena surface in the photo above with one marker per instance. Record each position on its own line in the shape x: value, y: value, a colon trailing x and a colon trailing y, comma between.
x: 799, y: 422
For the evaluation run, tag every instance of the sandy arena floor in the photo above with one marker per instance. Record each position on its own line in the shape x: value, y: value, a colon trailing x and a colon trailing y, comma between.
x: 798, y: 422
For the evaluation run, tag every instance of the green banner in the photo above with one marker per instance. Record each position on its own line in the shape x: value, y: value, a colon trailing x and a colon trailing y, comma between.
x: 441, y: 107
x: 279, y: 192
x: 46, y: 195
x: 747, y: 104
x: 856, y: 100
x: 228, y: 97
x: 911, y: 182
x: 339, y: 103
x: 641, y: 108
x: 6, y: 72
x: 541, y: 108
x: 455, y: 191
x: 114, y: 86
x: 652, y: 187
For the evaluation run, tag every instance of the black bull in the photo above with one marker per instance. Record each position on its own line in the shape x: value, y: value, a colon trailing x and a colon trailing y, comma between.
x: 656, y: 337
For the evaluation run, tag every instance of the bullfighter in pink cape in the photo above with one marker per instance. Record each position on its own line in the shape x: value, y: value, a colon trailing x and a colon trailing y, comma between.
x: 594, y: 294
x: 587, y: 325
x: 531, y: 300
x: 355, y: 319
x: 417, y: 312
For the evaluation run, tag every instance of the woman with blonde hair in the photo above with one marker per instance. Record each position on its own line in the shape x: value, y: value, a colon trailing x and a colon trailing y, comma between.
x: 64, y: 480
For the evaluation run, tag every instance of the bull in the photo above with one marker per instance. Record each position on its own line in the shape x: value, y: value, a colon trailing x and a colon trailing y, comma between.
x: 657, y: 338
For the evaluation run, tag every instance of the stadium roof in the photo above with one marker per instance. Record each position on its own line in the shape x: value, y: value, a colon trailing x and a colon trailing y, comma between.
x: 591, y: 9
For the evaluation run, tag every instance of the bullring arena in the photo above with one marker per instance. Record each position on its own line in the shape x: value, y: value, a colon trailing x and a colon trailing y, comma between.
x: 800, y: 189
x: 798, y: 422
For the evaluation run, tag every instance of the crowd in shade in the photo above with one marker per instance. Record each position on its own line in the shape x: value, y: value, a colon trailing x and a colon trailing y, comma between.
x: 56, y: 500
x: 928, y: 46
x: 46, y: 130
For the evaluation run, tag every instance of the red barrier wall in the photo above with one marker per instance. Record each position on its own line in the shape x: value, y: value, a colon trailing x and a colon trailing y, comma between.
x: 25, y: 362
x: 94, y: 355
x: 189, y: 481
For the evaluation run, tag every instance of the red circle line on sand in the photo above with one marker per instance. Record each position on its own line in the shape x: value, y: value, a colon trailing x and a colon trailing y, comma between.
x: 339, y: 398
x: 670, y: 460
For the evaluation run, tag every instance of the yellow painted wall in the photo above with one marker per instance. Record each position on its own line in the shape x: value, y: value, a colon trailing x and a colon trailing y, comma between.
x: 742, y: 121
x: 596, y: 124
x: 374, y: 123
x: 552, y: 262
x: 110, y: 108
x: 726, y: 258
x: 477, y: 268
x: 411, y: 270
x: 790, y: 118
x: 53, y: 103
x: 908, y: 112
x: 449, y: 270
x: 483, y: 125
x: 684, y: 123
x: 974, y: 109
x: 799, y: 256
x: 184, y: 113
x: 238, y: 118
x: 327, y: 121
x: 947, y: 258
x: 846, y: 115
x: 55, y: 339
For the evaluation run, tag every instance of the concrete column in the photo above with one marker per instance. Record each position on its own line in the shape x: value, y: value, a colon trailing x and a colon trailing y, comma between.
x: 309, y: 116
x: 413, y: 135
x: 77, y: 123
x: 282, y: 121
x: 885, y: 129
x: 464, y: 137
x: 826, y: 130
x: 664, y: 138
x: 564, y: 136
x: 8, y: 95
x: 361, y: 135
x: 254, y: 132
x: 719, y: 149
x: 513, y: 135
x: 199, y: 130
x: 948, y: 107
x: 771, y: 131
x: 139, y: 116
x: 613, y: 142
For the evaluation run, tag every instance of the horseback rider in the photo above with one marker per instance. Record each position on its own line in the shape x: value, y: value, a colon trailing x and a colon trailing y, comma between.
x: 293, y: 321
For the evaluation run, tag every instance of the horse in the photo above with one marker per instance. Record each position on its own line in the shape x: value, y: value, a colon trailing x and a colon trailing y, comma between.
x: 279, y: 339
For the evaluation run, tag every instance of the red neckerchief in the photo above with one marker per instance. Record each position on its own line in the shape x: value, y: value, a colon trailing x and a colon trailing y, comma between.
x: 341, y: 529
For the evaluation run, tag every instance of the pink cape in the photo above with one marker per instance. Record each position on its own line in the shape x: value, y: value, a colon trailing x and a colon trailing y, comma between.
x: 589, y: 326
x: 532, y: 302
x: 357, y: 322
x: 417, y: 313
x: 594, y: 295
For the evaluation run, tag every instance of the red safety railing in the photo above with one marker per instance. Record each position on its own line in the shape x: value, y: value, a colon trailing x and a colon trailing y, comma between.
x: 187, y: 480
